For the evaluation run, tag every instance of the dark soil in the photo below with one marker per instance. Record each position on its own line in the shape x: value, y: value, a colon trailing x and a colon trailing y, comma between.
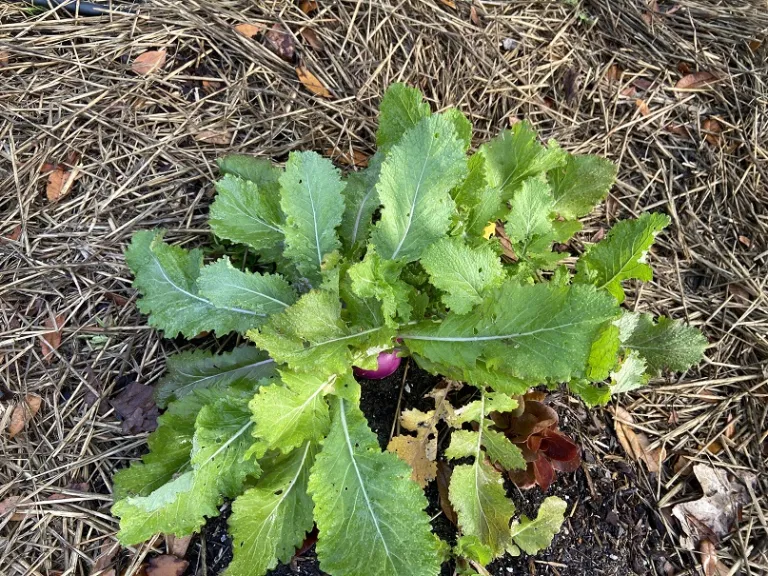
x: 609, y: 530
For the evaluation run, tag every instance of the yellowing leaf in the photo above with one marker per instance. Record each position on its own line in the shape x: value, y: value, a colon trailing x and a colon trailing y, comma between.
x: 490, y: 230
x: 60, y: 183
x: 23, y: 413
x: 249, y: 30
x: 149, y: 62
x: 312, y: 82
x: 413, y: 451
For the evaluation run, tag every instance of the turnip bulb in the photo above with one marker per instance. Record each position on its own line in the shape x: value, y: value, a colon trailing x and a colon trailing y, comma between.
x: 388, y: 362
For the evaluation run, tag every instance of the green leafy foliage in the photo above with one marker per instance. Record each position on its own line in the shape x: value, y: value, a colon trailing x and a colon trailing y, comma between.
x: 443, y: 255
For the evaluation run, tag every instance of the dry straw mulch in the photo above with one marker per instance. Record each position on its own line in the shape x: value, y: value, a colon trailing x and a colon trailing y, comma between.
x: 598, y: 75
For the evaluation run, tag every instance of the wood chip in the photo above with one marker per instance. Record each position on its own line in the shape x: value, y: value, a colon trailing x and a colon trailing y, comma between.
x: 249, y: 30
x: 696, y: 80
x: 23, y: 413
x: 312, y: 82
x: 149, y: 62
x: 60, y: 183
x: 635, y: 444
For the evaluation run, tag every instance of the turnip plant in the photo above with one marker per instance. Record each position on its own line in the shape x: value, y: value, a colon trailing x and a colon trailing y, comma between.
x: 404, y: 258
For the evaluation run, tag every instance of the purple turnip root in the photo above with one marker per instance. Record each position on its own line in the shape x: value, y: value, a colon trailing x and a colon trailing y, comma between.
x: 388, y: 362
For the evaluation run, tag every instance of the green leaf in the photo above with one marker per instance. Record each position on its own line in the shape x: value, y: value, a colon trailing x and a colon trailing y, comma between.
x: 530, y: 215
x: 533, y: 332
x: 668, y: 344
x: 477, y: 410
x: 415, y: 183
x: 535, y: 535
x: 270, y: 521
x: 260, y: 171
x: 249, y: 214
x: 478, y: 202
x: 380, y: 279
x: 621, y: 254
x: 630, y: 376
x: 293, y: 412
x: 477, y: 494
x: 463, y: 444
x: 591, y: 395
x: 366, y: 500
x: 220, y: 442
x: 313, y: 205
x: 604, y: 354
x: 501, y: 451
x: 401, y: 109
x: 580, y: 184
x: 471, y: 548
x: 465, y: 274
x: 360, y: 200
x: 311, y: 335
x: 198, y: 369
x: 167, y: 277
x: 461, y: 124
x: 516, y: 155
x: 225, y: 285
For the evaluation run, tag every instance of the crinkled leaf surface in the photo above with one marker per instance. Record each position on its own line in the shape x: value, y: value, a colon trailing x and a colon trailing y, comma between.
x: 534, y: 535
x: 501, y: 451
x: 313, y: 205
x: 465, y: 274
x: 630, y: 375
x: 477, y: 201
x: 530, y: 214
x: 292, y: 412
x: 260, y: 171
x: 271, y: 519
x: 515, y: 155
x: 198, y: 369
x: 621, y: 254
x: 414, y: 187
x: 533, y: 332
x: 360, y: 201
x: 461, y: 124
x: 365, y: 501
x: 249, y: 213
x: 666, y: 344
x: 591, y: 394
x: 376, y: 278
x: 167, y: 277
x: 402, y: 107
x: 580, y: 184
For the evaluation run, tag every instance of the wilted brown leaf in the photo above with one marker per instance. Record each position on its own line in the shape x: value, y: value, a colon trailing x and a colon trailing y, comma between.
x: 280, y: 41
x: 249, y: 30
x: 635, y: 444
x: 166, y: 565
x: 449, y: 3
x: 51, y: 340
x: 642, y: 106
x: 444, y: 472
x: 474, y: 17
x: 107, y: 553
x: 4, y: 58
x: 23, y: 413
x: 613, y: 73
x: 136, y: 407
x: 308, y: 6
x: 219, y: 137
x: 746, y: 241
x: 712, y: 516
x: 14, y: 234
x: 713, y: 131
x: 210, y: 86
x: 313, y: 39
x: 60, y: 183
x: 357, y: 159
x: 9, y: 505
x: 176, y: 545
x: 754, y: 45
x: 709, y: 561
x: 696, y: 80
x: 312, y: 82
x: 149, y: 62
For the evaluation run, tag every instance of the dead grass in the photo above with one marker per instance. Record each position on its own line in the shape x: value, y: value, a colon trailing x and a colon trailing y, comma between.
x: 576, y: 70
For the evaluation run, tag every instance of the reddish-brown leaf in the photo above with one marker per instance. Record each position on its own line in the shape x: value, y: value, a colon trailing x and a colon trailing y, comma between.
x: 678, y: 130
x: 249, y: 30
x: 9, y: 506
x: 709, y: 561
x: 14, y: 234
x: 281, y: 42
x: 313, y: 39
x: 149, y: 62
x: 696, y: 80
x: 166, y: 565
x: 642, y: 106
x: 308, y: 6
x: 713, y: 131
x: 474, y: 17
x: 543, y: 472
x: 357, y: 159
x: 444, y: 472
x: 23, y: 413
x: 449, y: 3
x: 210, y: 86
x: 523, y: 479
x: 312, y: 82
x: 613, y: 73
x: 683, y: 68
x: 51, y: 340
x: 746, y: 241
x: 116, y: 298
x: 60, y: 183
x: 754, y: 45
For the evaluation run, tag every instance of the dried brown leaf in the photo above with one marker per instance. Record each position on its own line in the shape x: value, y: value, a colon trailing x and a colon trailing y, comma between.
x: 219, y: 137
x: 249, y: 30
x: 746, y: 241
x: 709, y: 561
x: 149, y: 62
x: 14, y: 234
x: 177, y: 545
x: 678, y: 130
x: 107, y: 553
x: 210, y: 86
x: 23, y: 413
x: 313, y: 39
x: 754, y: 45
x: 613, y: 73
x: 696, y: 80
x: 444, y: 472
x: 9, y: 506
x: 449, y: 3
x: 281, y: 42
x: 60, y: 183
x: 166, y: 565
x: 357, y: 159
x: 136, y: 407
x: 474, y: 17
x: 308, y: 6
x: 312, y: 82
x: 642, y: 106
x: 51, y: 340
x: 636, y: 445
x: 4, y: 58
x: 713, y: 131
